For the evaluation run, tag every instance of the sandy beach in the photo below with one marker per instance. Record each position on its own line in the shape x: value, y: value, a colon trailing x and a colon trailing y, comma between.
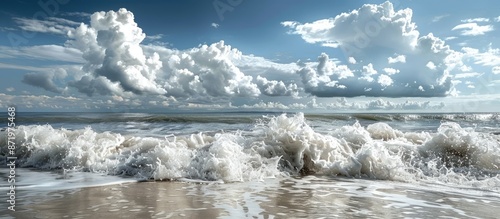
x: 130, y: 200
x: 308, y: 197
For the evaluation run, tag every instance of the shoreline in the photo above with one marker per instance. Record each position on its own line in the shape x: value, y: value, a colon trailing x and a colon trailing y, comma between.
x: 308, y: 196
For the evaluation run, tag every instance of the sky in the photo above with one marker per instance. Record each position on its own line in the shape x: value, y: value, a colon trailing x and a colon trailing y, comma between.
x: 242, y: 55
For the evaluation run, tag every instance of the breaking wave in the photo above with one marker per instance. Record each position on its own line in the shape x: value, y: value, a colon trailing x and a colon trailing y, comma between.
x: 276, y: 146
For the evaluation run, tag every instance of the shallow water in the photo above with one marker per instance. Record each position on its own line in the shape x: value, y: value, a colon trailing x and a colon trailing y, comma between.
x: 291, y: 197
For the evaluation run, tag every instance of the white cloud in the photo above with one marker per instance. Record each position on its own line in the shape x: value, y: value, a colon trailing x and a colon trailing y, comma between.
x: 111, y: 47
x: 117, y: 64
x: 473, y: 29
x: 45, y: 52
x: 391, y: 71
x: 369, y: 34
x: 496, y: 70
x: 368, y: 71
x: 208, y: 75
x: 385, y: 80
x: 50, y: 25
x: 23, y: 67
x: 324, y: 77
x: 399, y: 58
x: 467, y: 75
x: 207, y: 70
x: 10, y: 89
x: 272, y: 105
x: 154, y: 37
x: 473, y: 20
x: 254, y: 65
x: 497, y: 19
x: 431, y: 65
x: 343, y: 104
x: 315, y: 32
x: 439, y: 18
x: 215, y: 25
x: 491, y: 57
x: 276, y: 88
x: 77, y: 14
x: 368, y: 28
x: 41, y: 101
x: 380, y: 104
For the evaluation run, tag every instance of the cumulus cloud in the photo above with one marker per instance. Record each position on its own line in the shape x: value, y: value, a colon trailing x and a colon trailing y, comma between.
x: 371, y: 27
x: 380, y: 104
x: 116, y: 63
x: 42, y: 101
x: 276, y: 88
x: 409, y: 82
x: 326, y: 77
x: 473, y: 29
x: 352, y: 60
x: 97, y: 85
x: 45, y: 80
x: 215, y: 25
x: 272, y: 105
x: 431, y: 65
x: 368, y: 72
x: 368, y: 35
x: 207, y: 70
x: 218, y: 70
x: 407, y: 105
x: 490, y: 57
x: 496, y: 70
x: 399, y: 58
x: 316, y: 32
x: 384, y: 80
x: 111, y: 47
x: 391, y: 71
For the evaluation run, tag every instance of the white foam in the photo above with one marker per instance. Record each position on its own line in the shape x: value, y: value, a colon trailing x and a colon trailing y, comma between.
x: 276, y: 146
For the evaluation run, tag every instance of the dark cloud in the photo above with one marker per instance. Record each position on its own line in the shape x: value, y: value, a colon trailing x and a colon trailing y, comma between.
x: 42, y: 80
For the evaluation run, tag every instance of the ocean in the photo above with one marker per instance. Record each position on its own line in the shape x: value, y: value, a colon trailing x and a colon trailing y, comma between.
x: 253, y: 165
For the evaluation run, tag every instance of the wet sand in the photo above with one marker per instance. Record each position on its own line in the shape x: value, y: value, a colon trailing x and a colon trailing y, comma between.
x: 287, y: 198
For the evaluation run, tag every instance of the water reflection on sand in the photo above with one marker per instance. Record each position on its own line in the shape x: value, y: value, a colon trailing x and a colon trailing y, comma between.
x: 307, y: 197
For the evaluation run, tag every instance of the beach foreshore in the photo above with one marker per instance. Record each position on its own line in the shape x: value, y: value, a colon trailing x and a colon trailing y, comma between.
x: 128, y: 200
x: 289, y: 197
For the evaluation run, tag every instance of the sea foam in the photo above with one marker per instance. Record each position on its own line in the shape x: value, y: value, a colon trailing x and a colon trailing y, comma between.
x: 276, y: 146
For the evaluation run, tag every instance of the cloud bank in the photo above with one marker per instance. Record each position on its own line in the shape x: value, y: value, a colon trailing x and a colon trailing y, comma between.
x: 387, y: 55
x: 116, y: 63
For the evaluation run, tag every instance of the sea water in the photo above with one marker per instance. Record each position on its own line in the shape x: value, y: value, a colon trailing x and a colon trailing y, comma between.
x: 326, y: 165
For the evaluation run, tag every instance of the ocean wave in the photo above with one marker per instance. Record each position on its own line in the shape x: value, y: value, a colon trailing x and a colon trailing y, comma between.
x: 241, y: 117
x: 276, y: 146
x: 379, y: 117
x: 89, y: 118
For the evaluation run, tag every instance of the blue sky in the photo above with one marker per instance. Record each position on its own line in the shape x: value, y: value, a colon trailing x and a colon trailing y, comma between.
x: 335, y: 56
